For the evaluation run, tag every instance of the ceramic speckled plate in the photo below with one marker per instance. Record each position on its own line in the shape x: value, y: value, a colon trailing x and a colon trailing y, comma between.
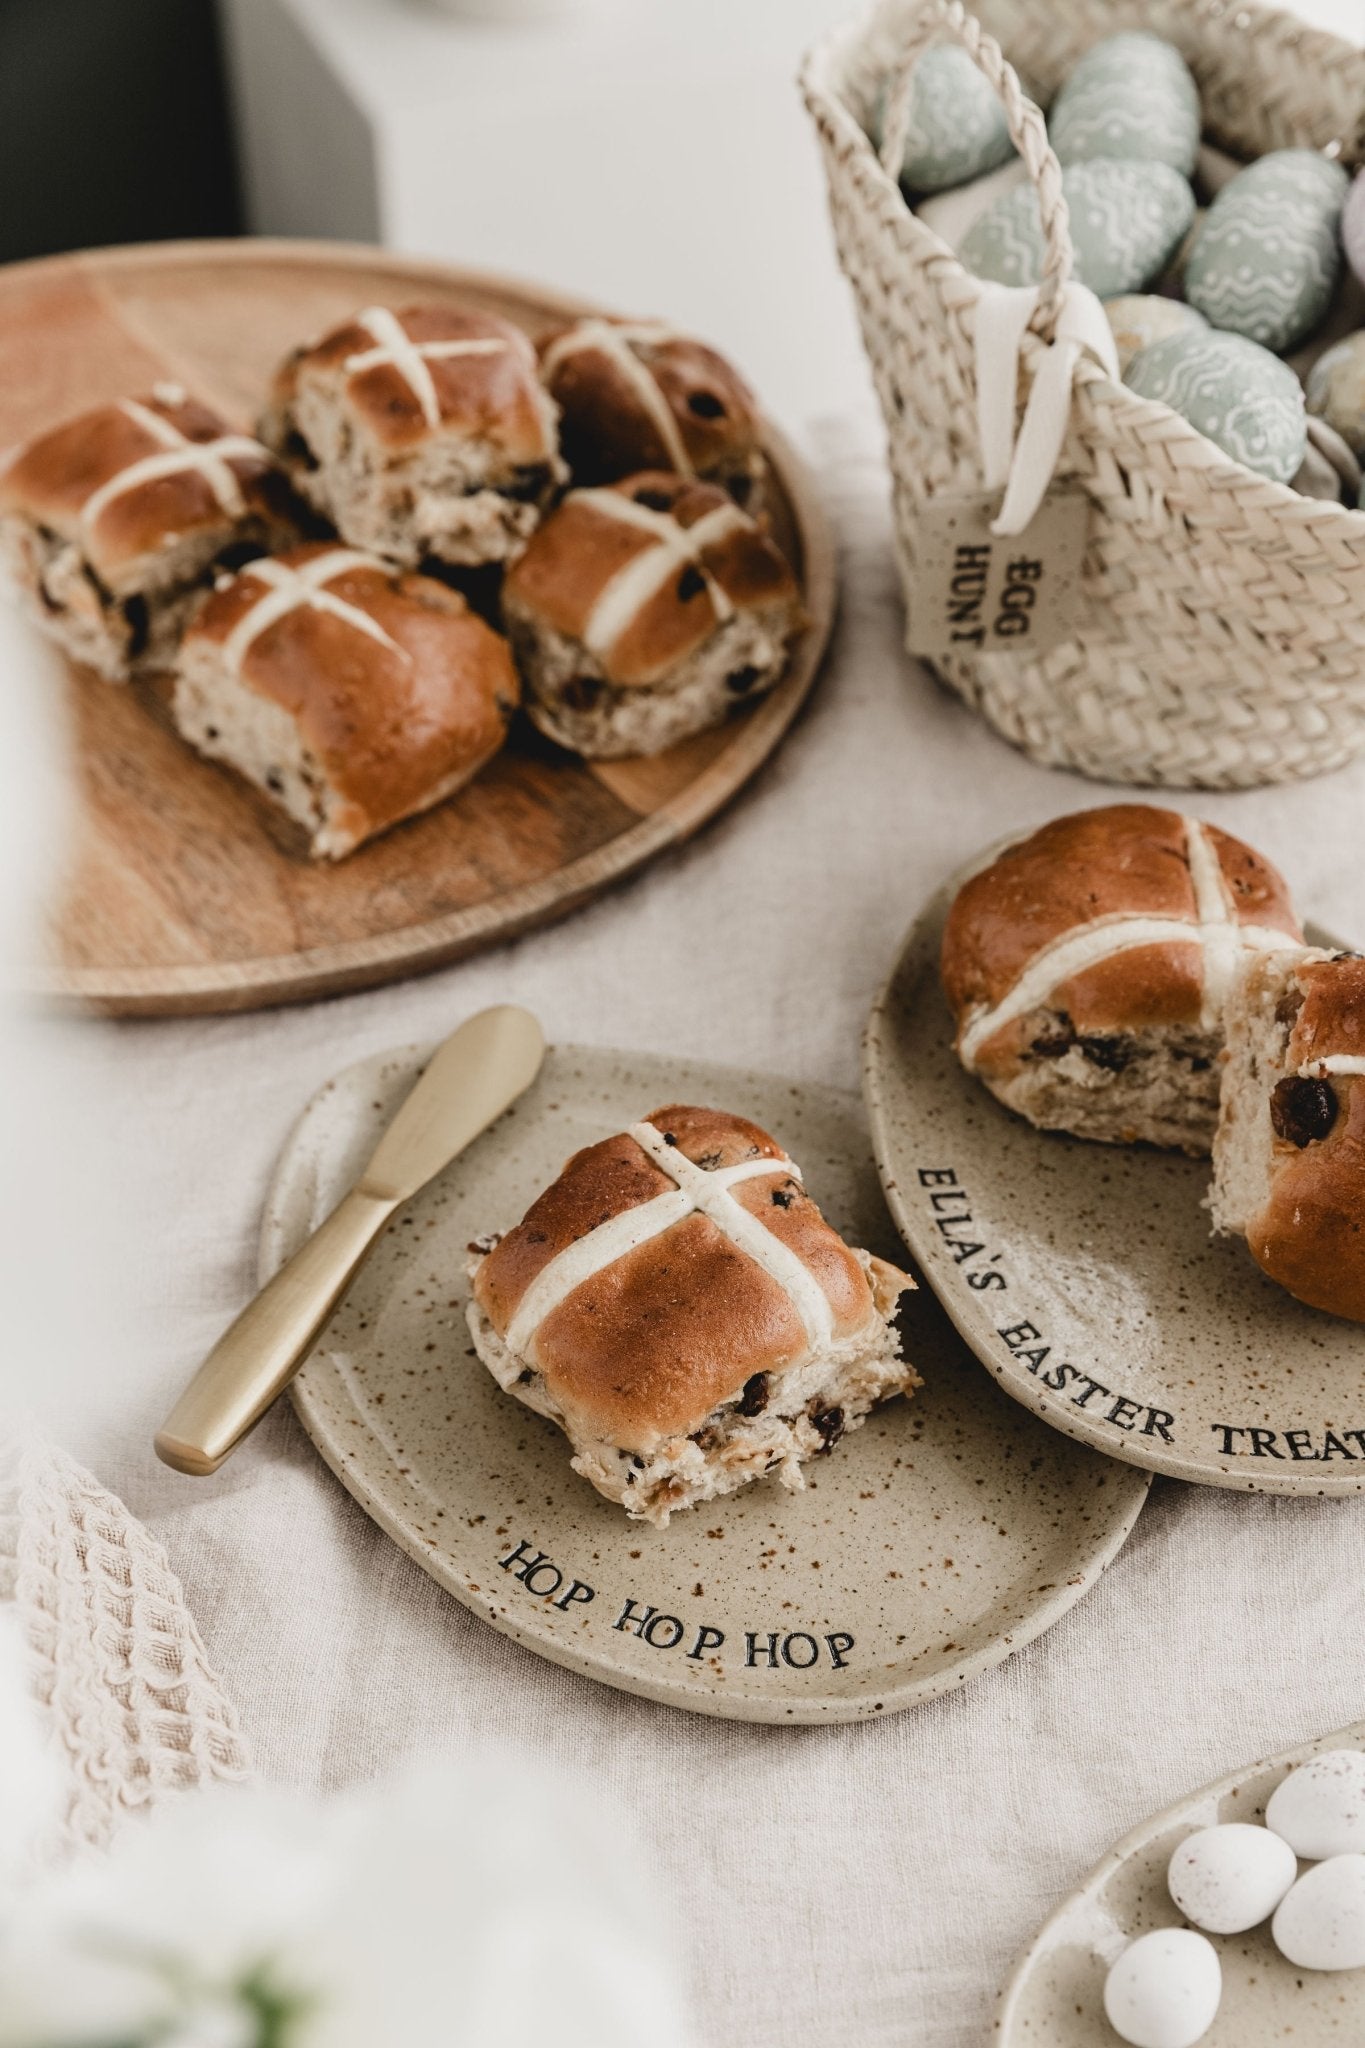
x: 1084, y: 1276
x: 942, y: 1535
x: 1054, y: 1999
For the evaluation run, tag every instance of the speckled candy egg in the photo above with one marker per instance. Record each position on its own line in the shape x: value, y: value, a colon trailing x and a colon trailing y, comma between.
x: 1127, y: 221
x: 1336, y: 389
x: 1239, y: 395
x: 1266, y: 261
x: 1320, y: 1925
x: 1140, y: 318
x: 1320, y: 1808
x: 1130, y: 96
x: 1228, y: 1878
x: 957, y: 123
x: 1163, y: 1991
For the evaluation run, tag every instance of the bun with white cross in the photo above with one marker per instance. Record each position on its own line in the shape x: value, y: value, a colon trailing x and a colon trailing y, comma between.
x: 351, y: 694
x: 421, y: 431
x: 676, y: 1302
x: 1289, y: 1158
x: 635, y: 394
x: 1090, y: 967
x: 644, y: 611
x: 112, y: 520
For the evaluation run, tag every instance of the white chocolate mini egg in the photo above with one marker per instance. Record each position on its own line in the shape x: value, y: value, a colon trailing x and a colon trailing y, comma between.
x: 1320, y: 1924
x: 1130, y: 95
x: 1140, y: 318
x: 1320, y: 1807
x: 1163, y: 1991
x: 1228, y: 1878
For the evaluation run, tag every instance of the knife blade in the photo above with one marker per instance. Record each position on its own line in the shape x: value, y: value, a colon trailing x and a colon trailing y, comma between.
x: 471, y: 1078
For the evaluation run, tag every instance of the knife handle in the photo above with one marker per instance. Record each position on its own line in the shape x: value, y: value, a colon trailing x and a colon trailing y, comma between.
x: 257, y: 1356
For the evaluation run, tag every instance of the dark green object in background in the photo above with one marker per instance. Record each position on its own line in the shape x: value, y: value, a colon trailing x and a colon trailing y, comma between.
x: 114, y: 124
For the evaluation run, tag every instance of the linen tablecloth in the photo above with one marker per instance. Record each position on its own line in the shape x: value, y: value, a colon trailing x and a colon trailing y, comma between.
x: 852, y: 1885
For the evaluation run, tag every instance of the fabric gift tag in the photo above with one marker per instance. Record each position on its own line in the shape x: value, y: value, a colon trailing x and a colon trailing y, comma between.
x: 999, y: 570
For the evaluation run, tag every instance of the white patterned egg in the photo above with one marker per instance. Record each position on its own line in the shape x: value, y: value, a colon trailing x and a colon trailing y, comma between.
x: 1130, y: 95
x: 1320, y: 1924
x: 1237, y: 394
x: 1320, y: 1807
x: 1335, y: 389
x: 1140, y: 318
x: 1266, y: 261
x: 1127, y: 221
x: 1163, y: 1991
x: 1226, y: 1879
x: 957, y: 123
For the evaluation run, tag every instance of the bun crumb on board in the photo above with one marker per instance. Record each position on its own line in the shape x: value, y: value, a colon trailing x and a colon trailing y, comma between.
x: 677, y: 1304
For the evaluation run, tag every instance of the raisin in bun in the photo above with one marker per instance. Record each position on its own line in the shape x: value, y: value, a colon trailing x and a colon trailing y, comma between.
x: 645, y: 611
x: 1289, y: 1158
x: 424, y: 431
x: 638, y: 395
x: 113, y: 521
x: 1089, y: 966
x: 676, y: 1302
x: 351, y: 695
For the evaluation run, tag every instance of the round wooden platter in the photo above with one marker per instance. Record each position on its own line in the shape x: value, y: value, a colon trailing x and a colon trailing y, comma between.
x: 186, y: 892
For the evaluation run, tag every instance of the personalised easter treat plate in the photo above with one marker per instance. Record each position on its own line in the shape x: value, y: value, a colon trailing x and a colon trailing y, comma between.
x: 1055, y: 1996
x: 1084, y: 1276
x: 942, y: 1535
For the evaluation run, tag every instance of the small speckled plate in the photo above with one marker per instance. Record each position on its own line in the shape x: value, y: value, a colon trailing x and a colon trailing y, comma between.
x: 945, y: 1533
x: 1055, y: 1997
x: 1085, y: 1278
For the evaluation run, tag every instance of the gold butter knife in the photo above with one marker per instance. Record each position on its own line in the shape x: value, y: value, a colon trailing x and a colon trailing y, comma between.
x: 469, y: 1081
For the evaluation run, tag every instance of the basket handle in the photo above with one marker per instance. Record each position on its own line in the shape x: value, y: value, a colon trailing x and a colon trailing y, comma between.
x: 1027, y: 128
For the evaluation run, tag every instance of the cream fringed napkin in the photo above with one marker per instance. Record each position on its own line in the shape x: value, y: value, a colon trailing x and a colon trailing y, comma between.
x: 135, y: 1710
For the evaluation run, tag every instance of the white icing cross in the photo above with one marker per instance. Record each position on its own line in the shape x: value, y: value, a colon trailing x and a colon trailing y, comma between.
x: 212, y: 459
x: 614, y: 339
x: 1215, y: 926
x: 678, y: 546
x: 289, y: 590
x: 695, y: 1191
x: 1335, y: 1063
x: 395, y: 346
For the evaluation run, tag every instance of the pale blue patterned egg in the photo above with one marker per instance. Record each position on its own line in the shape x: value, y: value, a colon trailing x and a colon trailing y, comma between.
x: 1131, y: 95
x: 957, y: 123
x: 1266, y: 261
x: 1231, y: 390
x: 1127, y: 221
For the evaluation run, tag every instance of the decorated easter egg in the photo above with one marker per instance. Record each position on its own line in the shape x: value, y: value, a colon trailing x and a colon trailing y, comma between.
x: 1320, y: 1924
x: 1265, y: 262
x: 1239, y: 395
x: 1130, y: 96
x: 1320, y: 1808
x: 1141, y: 318
x: 957, y: 123
x: 1336, y: 389
x: 1228, y: 1878
x: 1163, y: 1991
x: 1127, y: 221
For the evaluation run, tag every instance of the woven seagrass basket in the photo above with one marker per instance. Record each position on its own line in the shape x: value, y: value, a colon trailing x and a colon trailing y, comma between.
x: 1228, y: 643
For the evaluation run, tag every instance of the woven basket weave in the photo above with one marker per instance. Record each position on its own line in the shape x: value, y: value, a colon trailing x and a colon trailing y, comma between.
x: 1228, y: 647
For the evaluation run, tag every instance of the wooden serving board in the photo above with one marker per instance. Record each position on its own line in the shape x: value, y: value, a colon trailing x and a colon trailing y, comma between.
x: 186, y: 891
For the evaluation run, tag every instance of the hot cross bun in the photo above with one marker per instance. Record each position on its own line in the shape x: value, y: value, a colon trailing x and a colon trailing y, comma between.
x: 422, y: 431
x: 1089, y: 968
x: 645, y: 611
x: 112, y: 521
x: 676, y: 1302
x: 351, y: 694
